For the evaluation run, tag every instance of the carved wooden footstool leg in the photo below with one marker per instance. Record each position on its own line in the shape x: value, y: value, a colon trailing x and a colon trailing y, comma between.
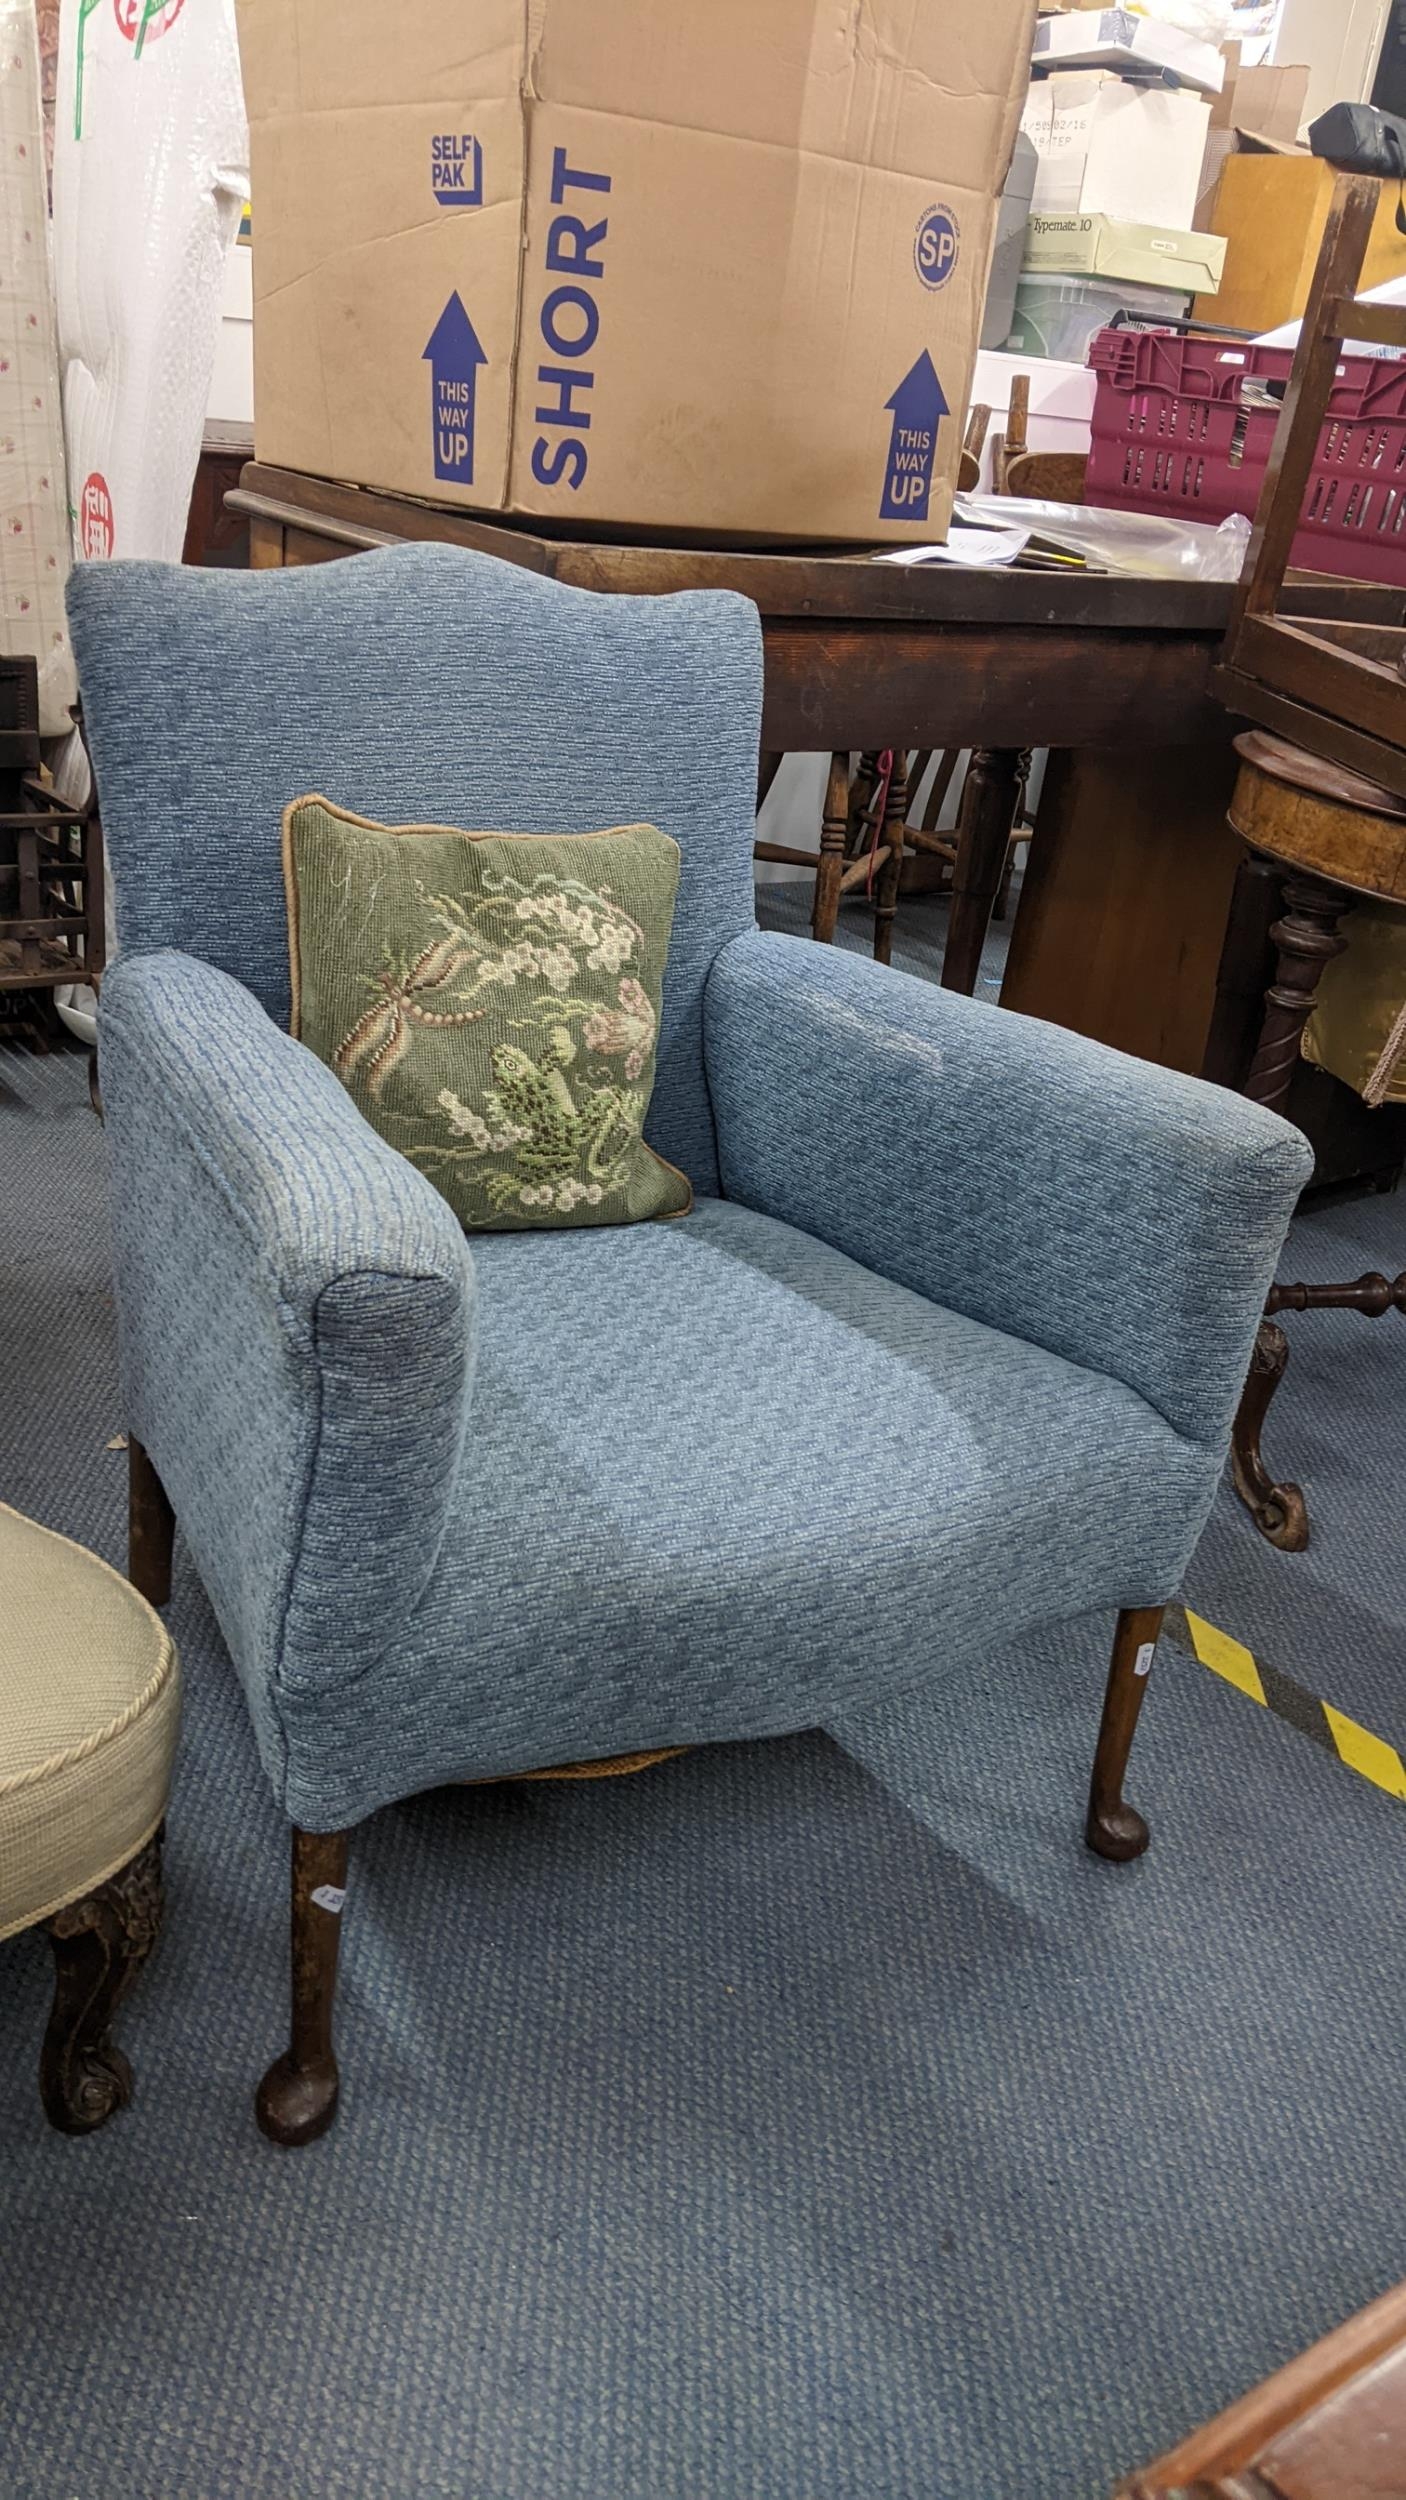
x: 100, y: 1943
x: 1278, y: 1510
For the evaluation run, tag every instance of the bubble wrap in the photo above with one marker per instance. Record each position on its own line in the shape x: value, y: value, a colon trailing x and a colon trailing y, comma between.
x: 150, y: 171
x: 33, y: 505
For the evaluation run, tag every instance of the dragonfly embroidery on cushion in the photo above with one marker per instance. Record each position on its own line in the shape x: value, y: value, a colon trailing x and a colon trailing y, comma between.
x: 380, y: 1040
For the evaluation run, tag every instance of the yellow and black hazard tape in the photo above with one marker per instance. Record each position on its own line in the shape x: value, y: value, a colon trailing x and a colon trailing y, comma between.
x: 1369, y: 1755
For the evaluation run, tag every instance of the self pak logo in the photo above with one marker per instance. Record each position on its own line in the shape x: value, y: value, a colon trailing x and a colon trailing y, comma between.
x: 936, y: 246
x: 456, y: 169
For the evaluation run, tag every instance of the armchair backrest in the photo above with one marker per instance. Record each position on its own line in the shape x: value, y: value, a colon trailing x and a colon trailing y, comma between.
x: 421, y: 684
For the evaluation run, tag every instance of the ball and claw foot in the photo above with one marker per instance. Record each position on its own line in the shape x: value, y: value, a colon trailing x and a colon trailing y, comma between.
x: 1118, y: 1832
x: 296, y: 2104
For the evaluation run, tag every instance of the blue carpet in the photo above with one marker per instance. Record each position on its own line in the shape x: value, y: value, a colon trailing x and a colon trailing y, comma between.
x: 815, y: 2121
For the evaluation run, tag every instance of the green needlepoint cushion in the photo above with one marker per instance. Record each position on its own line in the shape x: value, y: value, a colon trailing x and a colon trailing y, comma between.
x: 491, y: 1003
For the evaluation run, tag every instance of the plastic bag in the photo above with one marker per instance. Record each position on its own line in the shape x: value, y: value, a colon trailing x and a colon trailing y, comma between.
x: 1126, y: 542
x: 33, y: 493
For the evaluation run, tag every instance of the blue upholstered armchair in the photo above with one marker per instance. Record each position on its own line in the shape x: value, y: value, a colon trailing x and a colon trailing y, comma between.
x: 465, y: 1509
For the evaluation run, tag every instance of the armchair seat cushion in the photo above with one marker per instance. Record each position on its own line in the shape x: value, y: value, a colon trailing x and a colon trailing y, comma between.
x: 721, y: 1481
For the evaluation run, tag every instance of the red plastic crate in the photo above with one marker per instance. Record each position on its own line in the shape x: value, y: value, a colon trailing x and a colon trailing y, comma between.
x: 1172, y: 433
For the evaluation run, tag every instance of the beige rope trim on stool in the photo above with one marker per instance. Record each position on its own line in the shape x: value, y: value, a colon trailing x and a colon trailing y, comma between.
x: 135, y: 1709
x: 101, y: 1736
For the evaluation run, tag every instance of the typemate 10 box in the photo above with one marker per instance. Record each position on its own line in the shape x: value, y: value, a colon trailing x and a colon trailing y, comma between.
x: 715, y: 268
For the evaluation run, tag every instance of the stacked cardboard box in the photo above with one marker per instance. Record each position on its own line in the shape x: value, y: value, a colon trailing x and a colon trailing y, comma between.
x: 1119, y: 115
x: 716, y: 270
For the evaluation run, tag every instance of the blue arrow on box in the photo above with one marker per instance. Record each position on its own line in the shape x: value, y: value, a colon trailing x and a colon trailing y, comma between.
x: 454, y: 355
x: 919, y: 405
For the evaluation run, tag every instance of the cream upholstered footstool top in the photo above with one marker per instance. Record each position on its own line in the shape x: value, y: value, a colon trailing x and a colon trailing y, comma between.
x: 89, y: 1710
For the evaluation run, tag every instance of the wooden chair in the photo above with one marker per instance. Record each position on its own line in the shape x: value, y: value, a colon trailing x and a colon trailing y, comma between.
x: 1053, y: 476
x: 51, y: 881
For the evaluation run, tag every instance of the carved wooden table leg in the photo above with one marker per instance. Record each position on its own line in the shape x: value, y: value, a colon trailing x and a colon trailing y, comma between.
x: 1306, y: 937
x: 100, y: 1943
x: 989, y: 801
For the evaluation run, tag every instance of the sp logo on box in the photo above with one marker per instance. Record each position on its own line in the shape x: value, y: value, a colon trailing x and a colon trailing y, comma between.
x: 936, y: 246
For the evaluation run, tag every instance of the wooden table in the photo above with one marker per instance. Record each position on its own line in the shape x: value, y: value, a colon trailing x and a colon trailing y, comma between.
x: 1126, y: 897
x: 1332, y: 2426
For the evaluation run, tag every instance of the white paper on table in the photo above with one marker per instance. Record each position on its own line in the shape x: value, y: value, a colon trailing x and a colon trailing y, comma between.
x: 1391, y: 291
x: 964, y: 546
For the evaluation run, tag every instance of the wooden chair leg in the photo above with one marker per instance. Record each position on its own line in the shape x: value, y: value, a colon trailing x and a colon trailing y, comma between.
x: 297, y: 2099
x: 886, y: 891
x: 1115, y: 1829
x: 833, y: 827
x: 99, y: 1945
x: 151, y: 1528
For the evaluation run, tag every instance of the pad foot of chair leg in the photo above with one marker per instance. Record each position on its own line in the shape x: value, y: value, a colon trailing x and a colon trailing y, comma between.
x: 1116, y: 1832
x: 296, y: 2104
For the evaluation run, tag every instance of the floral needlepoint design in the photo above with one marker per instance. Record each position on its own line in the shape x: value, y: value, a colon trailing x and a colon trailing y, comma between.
x: 503, y: 1035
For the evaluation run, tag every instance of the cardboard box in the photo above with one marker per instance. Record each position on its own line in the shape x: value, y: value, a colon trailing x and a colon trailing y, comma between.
x: 1116, y: 39
x: 1268, y: 102
x: 1104, y: 247
x: 711, y: 270
x: 1107, y: 147
x: 1272, y: 209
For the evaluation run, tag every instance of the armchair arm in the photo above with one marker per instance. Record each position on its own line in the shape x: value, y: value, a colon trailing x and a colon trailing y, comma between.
x: 1108, y: 1210
x: 296, y: 1309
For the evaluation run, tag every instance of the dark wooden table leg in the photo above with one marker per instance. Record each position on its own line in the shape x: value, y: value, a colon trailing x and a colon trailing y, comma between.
x: 989, y: 801
x: 1305, y: 938
x: 1244, y: 973
x: 769, y: 765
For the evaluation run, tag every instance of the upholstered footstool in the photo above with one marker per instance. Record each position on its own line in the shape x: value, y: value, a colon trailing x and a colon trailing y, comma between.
x: 89, y: 1709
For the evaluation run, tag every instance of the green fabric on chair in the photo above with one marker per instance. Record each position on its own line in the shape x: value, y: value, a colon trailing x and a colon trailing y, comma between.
x: 491, y: 1003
